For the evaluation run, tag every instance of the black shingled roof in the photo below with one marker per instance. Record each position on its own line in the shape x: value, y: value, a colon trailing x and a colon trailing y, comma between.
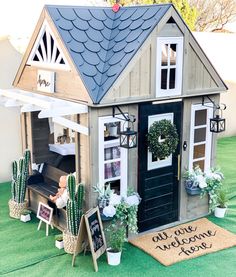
x: 101, y: 42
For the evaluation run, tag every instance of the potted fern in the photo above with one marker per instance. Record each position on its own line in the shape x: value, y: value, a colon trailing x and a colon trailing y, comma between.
x: 222, y: 201
x: 116, y: 239
x: 20, y: 172
x: 73, y: 213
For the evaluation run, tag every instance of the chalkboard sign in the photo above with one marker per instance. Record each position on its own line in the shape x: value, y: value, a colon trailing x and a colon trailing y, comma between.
x: 44, y: 213
x: 91, y: 233
x: 95, y: 231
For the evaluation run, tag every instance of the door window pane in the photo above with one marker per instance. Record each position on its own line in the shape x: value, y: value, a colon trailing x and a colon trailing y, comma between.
x: 201, y: 164
x: 172, y: 78
x: 200, y: 117
x: 199, y: 135
x: 199, y: 151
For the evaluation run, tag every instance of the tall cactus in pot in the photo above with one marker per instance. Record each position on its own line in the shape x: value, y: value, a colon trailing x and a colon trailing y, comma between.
x: 20, y: 174
x: 74, y: 204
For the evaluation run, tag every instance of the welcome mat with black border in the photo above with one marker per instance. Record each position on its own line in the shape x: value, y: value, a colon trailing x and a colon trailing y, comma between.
x: 185, y: 241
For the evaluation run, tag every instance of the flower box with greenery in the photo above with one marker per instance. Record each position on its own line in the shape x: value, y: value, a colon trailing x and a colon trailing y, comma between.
x: 198, y: 182
x: 194, y: 181
x: 221, y: 203
x: 123, y: 210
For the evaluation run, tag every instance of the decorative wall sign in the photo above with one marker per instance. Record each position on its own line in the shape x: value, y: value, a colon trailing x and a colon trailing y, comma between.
x: 91, y: 233
x: 44, y: 213
x: 185, y: 241
x: 45, y: 81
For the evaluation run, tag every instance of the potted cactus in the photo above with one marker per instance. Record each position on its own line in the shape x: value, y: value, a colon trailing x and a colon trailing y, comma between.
x: 73, y: 213
x: 20, y: 172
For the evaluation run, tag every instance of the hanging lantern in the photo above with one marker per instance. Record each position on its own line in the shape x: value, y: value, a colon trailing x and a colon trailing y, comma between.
x: 128, y: 138
x: 217, y: 124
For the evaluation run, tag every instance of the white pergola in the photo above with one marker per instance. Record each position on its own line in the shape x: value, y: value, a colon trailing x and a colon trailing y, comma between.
x: 48, y: 107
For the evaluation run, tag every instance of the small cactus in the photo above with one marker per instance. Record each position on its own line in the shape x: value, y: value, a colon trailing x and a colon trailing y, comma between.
x: 19, y: 177
x: 74, y: 205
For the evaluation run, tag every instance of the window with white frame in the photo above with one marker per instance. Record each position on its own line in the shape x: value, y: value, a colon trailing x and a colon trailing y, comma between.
x: 200, y: 137
x: 169, y: 66
x: 112, y: 158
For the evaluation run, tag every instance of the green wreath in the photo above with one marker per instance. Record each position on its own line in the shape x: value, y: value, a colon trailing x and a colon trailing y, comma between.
x: 162, y: 138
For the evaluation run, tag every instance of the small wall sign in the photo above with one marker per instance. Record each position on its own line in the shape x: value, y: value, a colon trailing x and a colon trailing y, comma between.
x: 45, y: 81
x: 44, y: 213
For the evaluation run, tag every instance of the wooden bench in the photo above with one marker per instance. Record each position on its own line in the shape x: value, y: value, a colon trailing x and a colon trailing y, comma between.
x: 41, y: 185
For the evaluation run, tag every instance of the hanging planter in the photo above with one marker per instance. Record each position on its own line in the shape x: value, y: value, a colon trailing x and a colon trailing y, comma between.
x: 162, y: 139
x: 192, y: 188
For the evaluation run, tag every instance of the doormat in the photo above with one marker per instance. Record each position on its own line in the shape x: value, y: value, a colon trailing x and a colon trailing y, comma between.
x: 185, y: 241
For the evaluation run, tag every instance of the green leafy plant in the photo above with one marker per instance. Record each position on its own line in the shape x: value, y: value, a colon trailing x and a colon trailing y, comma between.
x: 162, y: 138
x: 104, y: 193
x: 59, y: 237
x: 26, y: 212
x: 222, y: 198
x: 116, y: 237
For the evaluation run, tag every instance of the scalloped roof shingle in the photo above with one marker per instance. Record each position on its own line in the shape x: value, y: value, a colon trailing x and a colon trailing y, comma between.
x: 101, y: 43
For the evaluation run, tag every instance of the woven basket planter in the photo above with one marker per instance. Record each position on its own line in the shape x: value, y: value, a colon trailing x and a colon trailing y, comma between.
x: 69, y: 242
x: 15, y: 209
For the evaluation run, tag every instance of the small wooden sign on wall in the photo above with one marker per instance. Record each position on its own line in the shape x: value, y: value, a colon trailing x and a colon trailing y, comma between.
x: 45, y: 81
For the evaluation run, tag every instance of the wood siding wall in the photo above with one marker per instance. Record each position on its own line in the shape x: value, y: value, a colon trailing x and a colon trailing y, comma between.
x: 68, y: 84
x: 138, y: 81
x: 93, y: 173
x: 192, y: 206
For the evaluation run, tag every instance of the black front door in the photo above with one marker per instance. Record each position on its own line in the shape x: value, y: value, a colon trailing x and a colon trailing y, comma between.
x: 158, y: 179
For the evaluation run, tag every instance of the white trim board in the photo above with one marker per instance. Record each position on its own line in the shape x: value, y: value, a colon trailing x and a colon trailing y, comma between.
x: 47, y: 56
x: 49, y: 107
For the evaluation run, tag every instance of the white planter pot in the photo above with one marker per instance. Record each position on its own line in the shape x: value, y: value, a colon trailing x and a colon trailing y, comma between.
x: 220, y: 212
x: 113, y: 258
x: 25, y: 218
x: 59, y: 244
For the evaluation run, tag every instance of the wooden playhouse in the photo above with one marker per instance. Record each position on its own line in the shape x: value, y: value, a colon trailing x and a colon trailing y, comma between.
x: 85, y: 71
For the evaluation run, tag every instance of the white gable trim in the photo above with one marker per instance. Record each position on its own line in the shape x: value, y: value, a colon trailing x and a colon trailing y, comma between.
x: 49, y: 57
x: 49, y: 107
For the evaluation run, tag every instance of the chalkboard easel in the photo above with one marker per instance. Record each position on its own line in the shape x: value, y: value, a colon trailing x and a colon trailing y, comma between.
x: 91, y: 233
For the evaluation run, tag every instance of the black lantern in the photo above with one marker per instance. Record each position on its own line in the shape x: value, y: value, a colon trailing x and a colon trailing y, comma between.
x: 217, y: 124
x: 128, y: 138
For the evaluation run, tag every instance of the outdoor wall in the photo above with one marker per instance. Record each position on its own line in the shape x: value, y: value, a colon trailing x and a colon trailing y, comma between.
x: 220, y: 47
x: 10, y: 139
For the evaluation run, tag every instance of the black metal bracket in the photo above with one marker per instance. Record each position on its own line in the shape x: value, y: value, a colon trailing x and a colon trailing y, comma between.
x: 215, y: 106
x: 130, y: 118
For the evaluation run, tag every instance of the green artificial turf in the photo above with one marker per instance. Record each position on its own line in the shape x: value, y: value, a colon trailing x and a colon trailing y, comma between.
x: 26, y: 252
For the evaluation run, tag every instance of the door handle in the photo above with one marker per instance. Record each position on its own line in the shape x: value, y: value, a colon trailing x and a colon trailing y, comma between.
x: 178, y: 173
